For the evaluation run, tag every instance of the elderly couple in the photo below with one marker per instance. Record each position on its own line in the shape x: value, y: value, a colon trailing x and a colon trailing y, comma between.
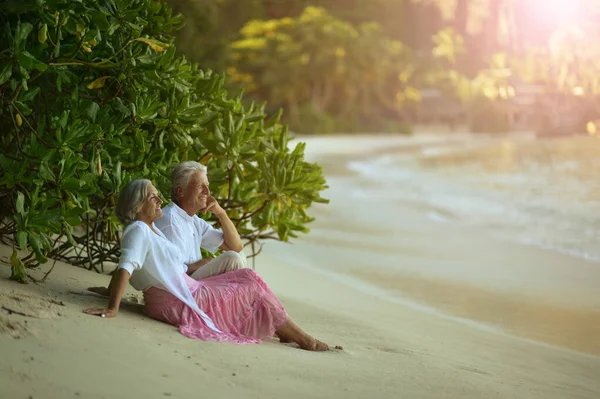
x: 210, y: 299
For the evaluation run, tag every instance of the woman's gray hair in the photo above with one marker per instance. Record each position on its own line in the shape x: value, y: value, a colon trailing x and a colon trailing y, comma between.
x: 182, y: 173
x: 131, y: 199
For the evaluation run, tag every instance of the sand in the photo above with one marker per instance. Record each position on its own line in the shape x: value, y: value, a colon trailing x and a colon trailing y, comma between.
x: 421, y: 311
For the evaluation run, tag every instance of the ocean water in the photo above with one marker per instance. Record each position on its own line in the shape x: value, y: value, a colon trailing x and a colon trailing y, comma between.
x: 543, y: 192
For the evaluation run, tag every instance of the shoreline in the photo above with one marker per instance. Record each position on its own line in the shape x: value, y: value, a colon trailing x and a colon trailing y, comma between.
x: 563, y: 319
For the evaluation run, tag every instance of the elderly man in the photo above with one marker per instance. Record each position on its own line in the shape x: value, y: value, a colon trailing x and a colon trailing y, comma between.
x: 190, y: 194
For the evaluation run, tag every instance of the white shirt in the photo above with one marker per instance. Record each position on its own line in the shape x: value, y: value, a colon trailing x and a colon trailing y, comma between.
x: 153, y: 261
x: 140, y: 246
x: 188, y: 233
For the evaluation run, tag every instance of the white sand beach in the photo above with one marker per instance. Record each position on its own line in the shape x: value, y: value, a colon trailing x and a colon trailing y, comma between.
x: 467, y: 271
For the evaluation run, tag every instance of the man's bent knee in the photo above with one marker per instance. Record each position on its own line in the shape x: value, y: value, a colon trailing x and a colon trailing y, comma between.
x: 234, y: 260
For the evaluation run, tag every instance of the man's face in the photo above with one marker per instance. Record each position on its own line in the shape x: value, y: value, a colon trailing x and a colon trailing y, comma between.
x: 195, y: 195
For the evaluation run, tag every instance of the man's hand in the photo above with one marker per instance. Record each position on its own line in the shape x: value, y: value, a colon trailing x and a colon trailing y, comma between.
x: 231, y: 236
x: 213, y: 206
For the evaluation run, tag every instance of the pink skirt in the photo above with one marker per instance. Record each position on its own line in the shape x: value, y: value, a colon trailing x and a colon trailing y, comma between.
x: 239, y: 303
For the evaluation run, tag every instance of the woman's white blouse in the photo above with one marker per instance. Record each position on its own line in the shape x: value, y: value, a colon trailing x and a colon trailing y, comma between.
x: 141, y: 248
x: 153, y: 261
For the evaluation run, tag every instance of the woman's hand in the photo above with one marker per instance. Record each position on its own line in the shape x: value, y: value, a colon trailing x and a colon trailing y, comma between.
x: 117, y: 287
x: 102, y: 312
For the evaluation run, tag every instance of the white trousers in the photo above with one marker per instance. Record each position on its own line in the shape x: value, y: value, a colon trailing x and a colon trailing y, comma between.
x: 228, y: 261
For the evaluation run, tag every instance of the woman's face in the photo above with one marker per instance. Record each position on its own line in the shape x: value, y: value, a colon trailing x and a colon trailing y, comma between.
x: 150, y: 210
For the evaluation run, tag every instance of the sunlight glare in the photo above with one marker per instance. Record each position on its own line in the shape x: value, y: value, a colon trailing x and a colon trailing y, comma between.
x: 559, y: 11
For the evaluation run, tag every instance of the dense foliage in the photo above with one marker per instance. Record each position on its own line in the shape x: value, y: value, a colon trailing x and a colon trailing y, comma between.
x: 319, y: 67
x: 93, y: 95
x: 505, y: 50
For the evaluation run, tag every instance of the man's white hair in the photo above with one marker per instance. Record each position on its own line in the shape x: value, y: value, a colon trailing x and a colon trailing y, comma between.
x: 131, y: 199
x: 182, y: 173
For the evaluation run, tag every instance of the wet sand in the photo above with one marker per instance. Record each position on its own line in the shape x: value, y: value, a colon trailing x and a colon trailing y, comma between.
x: 458, y: 270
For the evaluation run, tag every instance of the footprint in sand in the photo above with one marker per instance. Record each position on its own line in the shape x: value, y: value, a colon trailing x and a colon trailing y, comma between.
x: 473, y: 370
x: 13, y: 329
x: 388, y: 349
x: 16, y: 305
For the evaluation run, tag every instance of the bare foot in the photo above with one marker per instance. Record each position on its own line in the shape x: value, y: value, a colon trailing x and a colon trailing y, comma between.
x: 290, y: 332
x: 100, y: 290
x: 313, y: 344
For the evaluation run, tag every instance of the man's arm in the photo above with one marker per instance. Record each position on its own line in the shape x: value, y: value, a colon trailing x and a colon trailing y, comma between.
x: 233, y: 242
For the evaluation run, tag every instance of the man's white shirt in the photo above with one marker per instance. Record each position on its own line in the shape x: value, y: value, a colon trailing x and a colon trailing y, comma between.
x: 188, y: 233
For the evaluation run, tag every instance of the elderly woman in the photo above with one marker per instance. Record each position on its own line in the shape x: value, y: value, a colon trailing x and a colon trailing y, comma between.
x: 236, y: 306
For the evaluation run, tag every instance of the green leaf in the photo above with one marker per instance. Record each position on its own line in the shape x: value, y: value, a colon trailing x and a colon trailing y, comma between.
x: 35, y: 246
x: 92, y: 34
x: 255, y: 117
x: 98, y: 83
x: 23, y: 30
x: 71, y: 184
x: 49, y: 219
x: 73, y: 220
x: 154, y: 44
x: 46, y: 242
x: 30, y: 94
x: 43, y: 34
x: 5, y: 72
x: 282, y: 232
x: 167, y: 57
x: 92, y: 110
x: 20, y: 204
x: 208, y: 117
x: 49, y: 155
x: 28, y: 61
x: 99, y: 19
x: 75, y: 95
x: 160, y: 122
x: 64, y: 119
x: 147, y: 59
x: 57, y: 51
x: 118, y: 104
x: 17, y: 270
x: 255, y: 203
x: 22, y: 240
x: 273, y: 120
x: 23, y: 107
x: 70, y: 238
x: 46, y: 173
x: 117, y: 174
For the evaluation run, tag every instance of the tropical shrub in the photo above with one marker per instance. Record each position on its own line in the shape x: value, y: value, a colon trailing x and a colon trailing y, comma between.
x: 94, y: 96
